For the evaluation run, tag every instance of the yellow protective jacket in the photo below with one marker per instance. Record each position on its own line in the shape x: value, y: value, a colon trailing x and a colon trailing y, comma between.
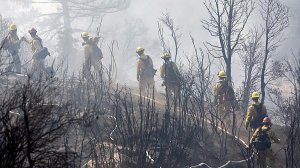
x: 12, y: 43
x: 220, y: 96
x: 88, y: 51
x: 269, y: 132
x: 36, y: 44
x: 92, y: 51
x: 252, y: 113
x: 217, y: 89
x: 143, y: 62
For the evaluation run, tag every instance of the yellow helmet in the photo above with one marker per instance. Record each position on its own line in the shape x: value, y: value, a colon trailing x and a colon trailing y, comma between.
x: 13, y: 27
x: 222, y: 74
x: 255, y: 95
x: 140, y: 50
x: 166, y: 55
x: 84, y: 34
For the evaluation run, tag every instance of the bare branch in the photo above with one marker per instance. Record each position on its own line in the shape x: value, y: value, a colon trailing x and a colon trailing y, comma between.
x: 227, y: 21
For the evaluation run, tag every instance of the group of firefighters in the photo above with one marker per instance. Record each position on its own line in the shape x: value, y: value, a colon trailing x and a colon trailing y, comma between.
x: 168, y: 72
x: 93, y: 55
x: 11, y: 43
x: 256, y: 117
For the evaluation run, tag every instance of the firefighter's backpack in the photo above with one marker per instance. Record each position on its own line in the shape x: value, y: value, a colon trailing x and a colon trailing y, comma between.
x: 148, y: 70
x: 263, y: 141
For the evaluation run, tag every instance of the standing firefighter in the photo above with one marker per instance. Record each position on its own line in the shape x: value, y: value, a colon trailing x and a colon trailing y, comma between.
x: 39, y: 54
x: 262, y: 140
x: 224, y: 98
x: 145, y: 71
x: 256, y: 113
x: 170, y: 74
x: 92, y: 54
x: 12, y: 44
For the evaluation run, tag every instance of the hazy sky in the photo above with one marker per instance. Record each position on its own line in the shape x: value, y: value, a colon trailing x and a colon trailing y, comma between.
x: 188, y: 15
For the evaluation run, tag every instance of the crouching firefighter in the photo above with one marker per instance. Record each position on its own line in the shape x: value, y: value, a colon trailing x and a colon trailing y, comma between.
x: 262, y: 140
x: 170, y: 74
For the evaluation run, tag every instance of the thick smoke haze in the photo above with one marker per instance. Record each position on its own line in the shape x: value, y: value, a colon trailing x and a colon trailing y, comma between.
x: 187, y: 16
x: 137, y: 26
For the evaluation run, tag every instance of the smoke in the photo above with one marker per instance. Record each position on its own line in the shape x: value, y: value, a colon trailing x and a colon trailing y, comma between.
x: 137, y: 26
x: 292, y: 34
x: 187, y: 16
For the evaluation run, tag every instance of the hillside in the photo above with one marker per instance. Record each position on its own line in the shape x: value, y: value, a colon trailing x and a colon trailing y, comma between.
x: 127, y: 130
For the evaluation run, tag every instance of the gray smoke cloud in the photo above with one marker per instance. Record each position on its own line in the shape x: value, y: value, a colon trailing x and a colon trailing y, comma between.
x: 137, y: 26
x: 187, y: 16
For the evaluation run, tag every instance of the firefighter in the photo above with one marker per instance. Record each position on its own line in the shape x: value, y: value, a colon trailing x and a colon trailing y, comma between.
x: 224, y: 98
x: 262, y: 140
x: 145, y: 72
x: 12, y: 44
x: 170, y: 74
x: 256, y: 112
x: 93, y: 55
x: 38, y: 54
